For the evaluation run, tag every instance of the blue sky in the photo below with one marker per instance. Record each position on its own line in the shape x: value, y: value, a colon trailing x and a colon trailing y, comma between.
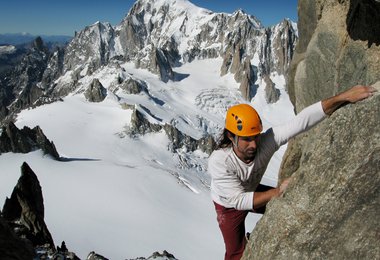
x: 53, y: 17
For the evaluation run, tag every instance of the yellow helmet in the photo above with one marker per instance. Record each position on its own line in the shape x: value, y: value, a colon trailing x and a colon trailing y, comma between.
x: 243, y: 120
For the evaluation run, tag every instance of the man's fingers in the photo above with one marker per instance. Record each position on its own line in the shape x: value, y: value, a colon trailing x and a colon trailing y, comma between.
x: 360, y: 92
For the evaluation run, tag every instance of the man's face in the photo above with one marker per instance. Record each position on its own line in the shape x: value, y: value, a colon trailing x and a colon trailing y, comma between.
x: 245, y: 147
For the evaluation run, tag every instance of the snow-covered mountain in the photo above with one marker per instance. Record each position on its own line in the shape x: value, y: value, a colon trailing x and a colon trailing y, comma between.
x: 134, y: 111
x: 160, y: 35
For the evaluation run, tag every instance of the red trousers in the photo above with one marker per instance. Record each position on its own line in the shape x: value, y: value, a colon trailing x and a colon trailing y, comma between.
x: 232, y: 224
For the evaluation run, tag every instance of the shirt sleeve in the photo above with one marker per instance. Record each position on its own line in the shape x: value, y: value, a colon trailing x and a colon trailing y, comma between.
x: 306, y: 119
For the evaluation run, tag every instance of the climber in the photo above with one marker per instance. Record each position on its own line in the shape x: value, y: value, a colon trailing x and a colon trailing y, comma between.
x: 242, y: 156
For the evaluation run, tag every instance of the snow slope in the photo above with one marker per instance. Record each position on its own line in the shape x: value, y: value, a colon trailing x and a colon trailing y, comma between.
x: 128, y: 197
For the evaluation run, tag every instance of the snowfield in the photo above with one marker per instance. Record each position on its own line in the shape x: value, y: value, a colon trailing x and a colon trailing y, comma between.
x: 126, y: 197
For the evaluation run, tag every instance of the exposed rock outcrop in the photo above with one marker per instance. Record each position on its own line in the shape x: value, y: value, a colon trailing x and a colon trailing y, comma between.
x: 132, y: 86
x: 245, y: 73
x: 25, y: 140
x: 90, y: 47
x: 277, y: 48
x: 19, y: 85
x: 157, y: 255
x: 25, y: 209
x: 141, y: 125
x: 272, y: 94
x: 11, y: 246
x: 54, y: 69
x: 95, y: 91
x: 336, y: 164
x: 275, y: 51
x: 94, y: 256
x: 23, y: 232
x: 156, y: 62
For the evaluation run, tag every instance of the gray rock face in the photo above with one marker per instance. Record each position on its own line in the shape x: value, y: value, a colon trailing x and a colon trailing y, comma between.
x: 91, y: 46
x: 54, y: 69
x: 25, y: 209
x: 95, y: 92
x: 272, y: 94
x: 248, y: 76
x: 132, y: 86
x: 19, y: 85
x: 275, y: 53
x: 245, y: 73
x: 331, y: 207
x: 11, y: 246
x: 141, y: 125
x: 158, y: 63
x: 25, y: 140
x: 277, y: 48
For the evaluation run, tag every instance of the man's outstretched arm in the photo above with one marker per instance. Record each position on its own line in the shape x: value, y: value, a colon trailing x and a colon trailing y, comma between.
x: 316, y: 112
x: 352, y: 95
x: 329, y: 105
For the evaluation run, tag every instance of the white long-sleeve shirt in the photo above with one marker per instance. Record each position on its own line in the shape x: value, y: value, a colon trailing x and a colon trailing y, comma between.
x: 233, y: 181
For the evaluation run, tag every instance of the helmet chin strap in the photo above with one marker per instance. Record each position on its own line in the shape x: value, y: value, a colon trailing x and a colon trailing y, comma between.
x: 235, y: 141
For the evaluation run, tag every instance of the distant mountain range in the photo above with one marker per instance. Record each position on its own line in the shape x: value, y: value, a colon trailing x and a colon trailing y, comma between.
x: 21, y: 38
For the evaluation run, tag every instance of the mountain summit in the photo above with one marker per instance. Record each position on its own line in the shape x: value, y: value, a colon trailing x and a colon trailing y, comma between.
x: 160, y: 36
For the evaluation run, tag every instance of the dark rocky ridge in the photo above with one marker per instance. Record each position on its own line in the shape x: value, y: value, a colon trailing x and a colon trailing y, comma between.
x: 20, y: 84
x: 25, y: 140
x: 25, y: 209
x: 331, y: 207
x: 11, y: 246
x: 23, y: 231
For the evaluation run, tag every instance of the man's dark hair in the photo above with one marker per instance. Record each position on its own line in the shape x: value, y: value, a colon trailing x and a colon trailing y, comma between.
x: 224, y: 141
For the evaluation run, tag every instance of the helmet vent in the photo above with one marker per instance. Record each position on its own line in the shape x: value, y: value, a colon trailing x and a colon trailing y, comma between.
x: 239, y: 125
